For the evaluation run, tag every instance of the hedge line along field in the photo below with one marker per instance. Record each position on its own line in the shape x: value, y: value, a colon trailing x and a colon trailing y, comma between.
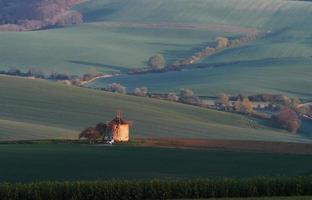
x: 71, y: 162
x: 159, y: 189
x: 29, y: 107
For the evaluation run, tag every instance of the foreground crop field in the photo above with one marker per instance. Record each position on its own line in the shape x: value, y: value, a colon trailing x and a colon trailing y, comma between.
x: 32, y: 162
x: 267, y: 198
x: 35, y: 109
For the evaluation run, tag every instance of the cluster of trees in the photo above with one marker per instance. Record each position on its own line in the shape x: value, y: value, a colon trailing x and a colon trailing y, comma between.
x: 116, y: 88
x: 94, y: 134
x: 286, y: 117
x: 37, y: 73
x: 30, y: 73
x: 287, y: 114
x: 186, y: 96
x: 243, y: 105
x: 36, y: 14
x: 277, y: 98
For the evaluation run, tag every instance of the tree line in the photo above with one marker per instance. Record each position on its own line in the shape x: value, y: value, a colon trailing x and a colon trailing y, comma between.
x: 286, y: 111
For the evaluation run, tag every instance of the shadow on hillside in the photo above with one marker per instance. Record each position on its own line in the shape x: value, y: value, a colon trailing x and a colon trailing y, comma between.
x: 306, y: 128
x: 266, y: 62
x: 91, y: 64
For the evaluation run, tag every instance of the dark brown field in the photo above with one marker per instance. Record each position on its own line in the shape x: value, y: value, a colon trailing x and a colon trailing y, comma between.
x: 238, y: 145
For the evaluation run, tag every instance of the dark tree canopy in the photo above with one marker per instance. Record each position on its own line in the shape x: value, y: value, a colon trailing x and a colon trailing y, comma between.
x: 287, y: 119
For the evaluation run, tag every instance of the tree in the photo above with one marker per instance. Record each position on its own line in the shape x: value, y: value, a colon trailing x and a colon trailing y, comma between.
x: 222, y: 42
x: 172, y: 96
x: 237, y: 105
x: 117, y: 88
x: 157, y: 62
x: 185, y: 93
x: 223, y: 99
x: 187, y: 96
x: 294, y: 102
x: 141, y: 92
x: 247, y: 106
x: 91, y: 133
x: 287, y: 119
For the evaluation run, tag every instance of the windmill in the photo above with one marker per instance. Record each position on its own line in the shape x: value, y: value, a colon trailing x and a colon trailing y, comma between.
x: 118, y: 129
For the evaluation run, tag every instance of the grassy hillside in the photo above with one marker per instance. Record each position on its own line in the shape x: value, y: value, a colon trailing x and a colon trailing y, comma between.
x: 74, y: 162
x: 75, y: 50
x: 34, y: 109
x: 122, y: 34
x: 281, y: 76
x: 263, y: 14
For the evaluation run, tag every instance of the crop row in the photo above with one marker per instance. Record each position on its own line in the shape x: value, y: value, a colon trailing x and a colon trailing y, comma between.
x: 158, y: 189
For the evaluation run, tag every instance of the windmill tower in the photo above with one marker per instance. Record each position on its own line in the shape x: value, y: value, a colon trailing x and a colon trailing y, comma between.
x: 118, y: 128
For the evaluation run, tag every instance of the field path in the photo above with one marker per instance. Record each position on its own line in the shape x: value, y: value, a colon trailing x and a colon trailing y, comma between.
x: 95, y: 78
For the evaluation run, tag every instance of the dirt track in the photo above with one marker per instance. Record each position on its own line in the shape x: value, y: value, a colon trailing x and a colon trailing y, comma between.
x: 238, y: 145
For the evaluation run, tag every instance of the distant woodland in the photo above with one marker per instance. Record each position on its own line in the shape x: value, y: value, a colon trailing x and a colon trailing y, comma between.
x: 20, y: 15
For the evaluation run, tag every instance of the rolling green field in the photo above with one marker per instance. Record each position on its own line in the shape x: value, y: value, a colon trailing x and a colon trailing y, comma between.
x: 41, y: 162
x: 36, y: 109
x: 231, y: 79
x: 108, y: 49
x: 119, y: 34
